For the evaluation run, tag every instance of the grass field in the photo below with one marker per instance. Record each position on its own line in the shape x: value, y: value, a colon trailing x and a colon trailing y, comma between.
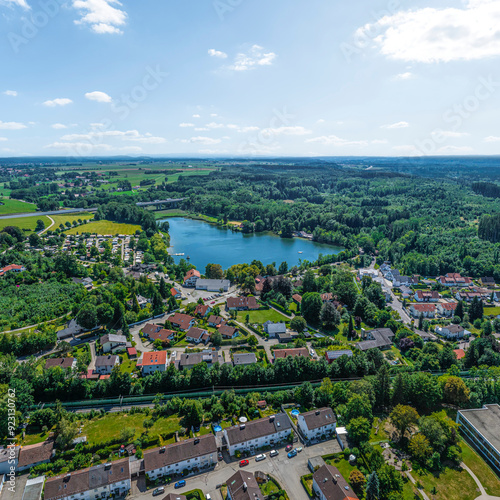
x: 15, y: 207
x: 61, y: 219
x: 110, y: 426
x: 491, y: 311
x: 262, y: 316
x: 25, y: 223
x: 174, y: 212
x: 104, y: 227
x: 481, y: 469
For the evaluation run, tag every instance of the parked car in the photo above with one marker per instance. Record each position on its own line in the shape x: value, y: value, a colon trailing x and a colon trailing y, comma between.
x: 260, y: 457
x: 299, y: 449
x: 208, y: 497
x: 273, y: 453
x: 288, y: 447
x: 180, y: 484
x: 292, y: 454
x: 243, y: 463
x: 219, y: 456
x: 159, y: 491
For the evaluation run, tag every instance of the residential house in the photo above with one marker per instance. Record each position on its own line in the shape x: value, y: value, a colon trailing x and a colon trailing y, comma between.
x: 287, y: 353
x: 452, y: 331
x: 426, y: 296
x: 316, y: 423
x: 243, y: 485
x: 244, y: 358
x: 192, y: 276
x: 202, y: 310
x: 241, y: 303
x: 163, y: 334
x: 34, y: 488
x: 387, y: 293
x: 396, y: 278
x: 197, y: 335
x: 381, y: 338
x: 228, y: 332
x: 72, y: 328
x: 171, y: 460
x: 176, y: 293
x: 331, y: 356
x: 215, y: 321
x: 329, y: 484
x: 255, y: 434
x: 174, y: 496
x: 86, y: 282
x: 482, y: 428
x: 182, y: 321
x: 190, y: 359
x: 150, y: 328
x: 12, y: 268
x: 35, y: 454
x: 105, y: 364
x: 9, y: 456
x: 284, y: 338
x: 112, y: 342
x: 425, y: 310
x: 64, y: 363
x: 459, y: 353
x: 488, y: 282
x: 406, y: 292
x: 447, y: 309
x: 272, y: 329
x: 99, y: 481
x: 468, y: 296
x: 213, y: 285
x: 142, y: 301
x: 297, y: 298
x: 371, y: 273
x: 455, y: 280
x: 426, y: 336
x: 155, y: 361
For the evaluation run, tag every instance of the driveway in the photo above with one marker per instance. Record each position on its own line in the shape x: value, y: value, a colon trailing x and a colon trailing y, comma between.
x: 285, y: 470
x: 92, y: 356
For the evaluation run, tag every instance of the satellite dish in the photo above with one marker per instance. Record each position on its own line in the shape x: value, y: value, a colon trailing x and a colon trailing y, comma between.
x: 243, y: 419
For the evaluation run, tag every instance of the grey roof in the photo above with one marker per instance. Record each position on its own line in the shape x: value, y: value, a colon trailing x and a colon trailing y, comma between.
x: 194, y: 358
x: 113, y: 337
x: 338, y: 354
x: 243, y: 486
x: 271, y: 327
x: 486, y: 421
x: 106, y: 360
x: 244, y: 358
x: 212, y: 283
x: 33, y: 489
x: 178, y: 452
x: 257, y: 428
x: 319, y: 418
x: 382, y: 338
x: 8, y: 453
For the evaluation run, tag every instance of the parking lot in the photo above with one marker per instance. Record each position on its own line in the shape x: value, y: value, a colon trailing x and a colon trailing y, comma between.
x: 287, y: 471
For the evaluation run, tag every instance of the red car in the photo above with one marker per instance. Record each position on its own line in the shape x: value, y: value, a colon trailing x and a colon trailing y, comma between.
x: 289, y: 447
x: 243, y: 463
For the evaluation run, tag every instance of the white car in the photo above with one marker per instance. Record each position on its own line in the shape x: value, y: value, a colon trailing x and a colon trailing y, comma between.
x: 260, y: 457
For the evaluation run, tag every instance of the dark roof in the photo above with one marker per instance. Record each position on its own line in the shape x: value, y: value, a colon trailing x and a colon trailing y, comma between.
x: 194, y: 358
x: 150, y: 329
x: 244, y: 358
x: 216, y: 320
x: 319, y: 418
x: 62, y: 362
x: 332, y: 484
x: 106, y: 360
x: 196, y: 333
x: 174, y: 496
x: 227, y: 331
x: 242, y: 302
x: 338, y: 354
x: 111, y: 337
x: 382, y: 338
x: 87, y: 479
x: 258, y: 428
x: 178, y: 452
x: 183, y: 320
x: 243, y: 486
x: 35, y: 453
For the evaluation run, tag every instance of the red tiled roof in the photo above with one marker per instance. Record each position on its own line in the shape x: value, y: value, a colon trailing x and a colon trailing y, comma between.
x: 242, y: 302
x: 191, y: 273
x: 460, y: 353
x: 297, y: 298
x: 424, y: 307
x: 163, y: 334
x: 286, y: 353
x: 449, y: 306
x: 155, y: 358
x: 182, y: 320
x: 131, y: 351
x: 201, y: 309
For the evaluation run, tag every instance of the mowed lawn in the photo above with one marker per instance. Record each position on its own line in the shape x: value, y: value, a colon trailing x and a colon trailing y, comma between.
x: 104, y: 227
x: 15, y: 207
x: 262, y: 316
x: 25, y: 223
x: 491, y: 311
x: 62, y: 219
x: 481, y: 469
x: 109, y: 427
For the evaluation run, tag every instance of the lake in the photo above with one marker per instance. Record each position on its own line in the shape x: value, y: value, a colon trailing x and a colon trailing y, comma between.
x: 206, y: 243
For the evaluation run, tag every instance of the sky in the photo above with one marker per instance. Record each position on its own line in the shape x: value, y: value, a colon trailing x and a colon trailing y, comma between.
x: 249, y: 77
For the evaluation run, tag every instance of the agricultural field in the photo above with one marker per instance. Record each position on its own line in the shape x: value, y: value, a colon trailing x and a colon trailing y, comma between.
x: 8, y: 207
x: 62, y: 219
x: 25, y: 223
x: 104, y: 227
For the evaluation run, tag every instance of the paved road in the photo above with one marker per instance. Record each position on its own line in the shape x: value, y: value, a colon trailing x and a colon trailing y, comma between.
x: 55, y: 212
x: 92, y: 356
x: 52, y: 222
x: 410, y: 477
x: 286, y: 471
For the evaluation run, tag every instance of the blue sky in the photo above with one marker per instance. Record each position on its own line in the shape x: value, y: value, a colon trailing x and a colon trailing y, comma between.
x: 249, y: 77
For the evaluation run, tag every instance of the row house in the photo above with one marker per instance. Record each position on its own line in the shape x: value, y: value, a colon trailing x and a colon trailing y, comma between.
x: 468, y: 296
x: 447, y: 309
x: 455, y: 280
x: 453, y: 332
x: 241, y: 303
x: 427, y: 296
x: 254, y: 435
x: 427, y: 310
x: 316, y: 423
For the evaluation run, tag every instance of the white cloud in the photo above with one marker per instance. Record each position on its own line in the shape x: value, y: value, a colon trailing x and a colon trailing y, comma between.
x: 95, y: 136
x: 103, y: 16
x: 149, y: 140
x: 449, y: 134
x: 405, y: 76
x: 2, y: 139
x: 19, y: 3
x: 455, y: 149
x: 252, y: 59
x: 396, y: 125
x: 214, y: 125
x: 207, y: 141
x: 201, y: 129
x: 248, y: 129
x: 11, y: 125
x: 186, y: 125
x: 217, y: 53
x: 98, y: 96
x: 58, y: 126
x: 288, y: 131
x: 196, y: 116
x: 431, y: 34
x: 491, y: 138
x: 213, y: 115
x: 333, y: 140
x: 379, y: 141
x: 321, y: 120
x: 57, y: 102
x: 11, y: 93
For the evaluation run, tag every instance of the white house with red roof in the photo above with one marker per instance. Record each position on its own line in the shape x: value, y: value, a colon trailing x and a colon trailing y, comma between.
x: 427, y: 310
x: 454, y: 279
x: 447, y: 309
x: 192, y: 276
x: 12, y: 268
x: 155, y: 361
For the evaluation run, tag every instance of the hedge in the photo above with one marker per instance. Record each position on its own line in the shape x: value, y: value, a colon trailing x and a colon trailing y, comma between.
x: 303, y: 480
